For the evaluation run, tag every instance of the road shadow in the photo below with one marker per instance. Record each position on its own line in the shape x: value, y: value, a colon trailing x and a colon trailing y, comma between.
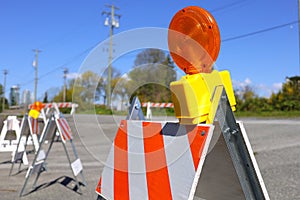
x: 65, y: 181
x: 20, y: 171
x: 5, y: 162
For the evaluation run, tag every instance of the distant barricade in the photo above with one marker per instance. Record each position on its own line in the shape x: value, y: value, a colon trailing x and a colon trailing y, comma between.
x: 155, y: 105
x: 158, y: 105
x: 59, y: 105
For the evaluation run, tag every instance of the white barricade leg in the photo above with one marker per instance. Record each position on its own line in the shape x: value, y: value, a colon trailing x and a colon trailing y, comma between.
x: 34, y: 131
x: 149, y: 112
x: 35, y: 141
x: 11, y: 127
x: 21, y: 154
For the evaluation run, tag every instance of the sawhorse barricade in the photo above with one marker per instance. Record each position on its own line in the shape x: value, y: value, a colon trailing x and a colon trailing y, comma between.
x: 168, y: 160
x: 206, y: 154
x: 32, y: 137
x: 29, y: 134
x: 56, y: 122
x: 135, y: 110
x: 48, y: 106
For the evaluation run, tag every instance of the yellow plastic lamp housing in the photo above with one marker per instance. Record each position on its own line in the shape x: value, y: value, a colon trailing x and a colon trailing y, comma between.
x: 226, y: 80
x: 36, y: 109
x: 34, y: 114
x: 192, y: 95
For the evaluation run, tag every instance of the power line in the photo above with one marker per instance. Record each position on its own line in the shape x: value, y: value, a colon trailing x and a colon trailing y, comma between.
x: 68, y: 62
x: 63, y: 65
x: 227, y: 6
x: 259, y: 31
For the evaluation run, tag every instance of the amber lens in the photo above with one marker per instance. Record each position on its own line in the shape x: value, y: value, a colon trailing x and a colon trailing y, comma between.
x: 194, y: 40
x: 38, y: 106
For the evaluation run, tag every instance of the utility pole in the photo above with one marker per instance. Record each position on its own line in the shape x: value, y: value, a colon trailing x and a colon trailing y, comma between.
x: 65, y: 84
x: 112, y: 23
x: 5, y: 72
x: 35, y: 65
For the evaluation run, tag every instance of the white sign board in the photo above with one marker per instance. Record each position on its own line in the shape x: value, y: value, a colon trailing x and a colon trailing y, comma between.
x: 76, y: 167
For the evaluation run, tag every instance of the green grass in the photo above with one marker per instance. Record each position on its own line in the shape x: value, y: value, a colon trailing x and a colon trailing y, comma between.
x: 102, y: 110
x: 273, y: 114
x: 89, y: 112
x: 161, y: 111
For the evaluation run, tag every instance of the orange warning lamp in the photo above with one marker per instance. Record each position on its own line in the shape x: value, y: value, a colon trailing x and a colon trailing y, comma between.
x: 36, y: 109
x: 194, y: 40
x: 194, y: 44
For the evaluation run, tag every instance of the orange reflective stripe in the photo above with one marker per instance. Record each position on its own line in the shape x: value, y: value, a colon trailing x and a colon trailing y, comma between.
x: 98, y: 188
x: 196, y: 137
x: 34, y: 125
x: 121, y: 187
x: 65, y: 129
x: 156, y: 165
x: 62, y: 130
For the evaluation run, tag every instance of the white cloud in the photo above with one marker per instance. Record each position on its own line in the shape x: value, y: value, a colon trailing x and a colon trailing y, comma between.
x: 241, y: 85
x: 277, y: 86
x: 126, y: 77
x: 247, y: 81
x: 73, y: 75
x: 266, y: 90
x: 261, y: 89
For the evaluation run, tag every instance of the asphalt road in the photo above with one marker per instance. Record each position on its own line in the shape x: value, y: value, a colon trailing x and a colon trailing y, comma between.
x: 276, y: 144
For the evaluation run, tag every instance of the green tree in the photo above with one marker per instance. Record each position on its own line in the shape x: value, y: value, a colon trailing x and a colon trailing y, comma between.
x: 69, y: 94
x: 86, y: 89
x: 151, y: 76
x: 102, y: 85
x: 246, y: 99
x: 6, y: 106
x: 45, y: 100
x: 80, y: 90
x: 288, y: 98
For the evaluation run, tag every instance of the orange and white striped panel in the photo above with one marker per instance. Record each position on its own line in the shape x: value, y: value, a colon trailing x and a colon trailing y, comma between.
x: 59, y: 105
x: 64, y: 129
x: 34, y: 126
x: 153, y: 160
x: 158, y: 105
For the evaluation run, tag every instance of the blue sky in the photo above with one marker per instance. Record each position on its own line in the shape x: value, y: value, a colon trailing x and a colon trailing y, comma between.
x: 66, y: 30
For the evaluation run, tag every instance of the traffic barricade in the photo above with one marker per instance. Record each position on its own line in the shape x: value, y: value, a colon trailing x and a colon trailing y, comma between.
x: 206, y: 154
